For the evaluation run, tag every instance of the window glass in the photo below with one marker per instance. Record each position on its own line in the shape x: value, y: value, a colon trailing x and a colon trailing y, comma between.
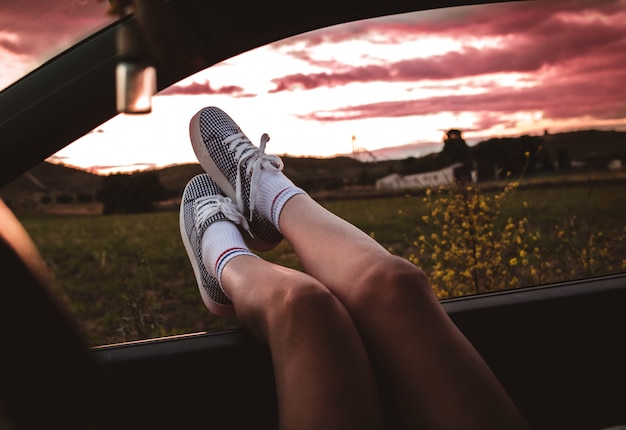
x: 34, y: 31
x: 485, y: 144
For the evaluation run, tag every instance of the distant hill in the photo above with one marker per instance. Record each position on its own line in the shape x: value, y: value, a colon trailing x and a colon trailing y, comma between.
x: 307, y: 172
x: 587, y: 145
x: 175, y: 178
x: 417, y: 149
x: 314, y: 174
x: 51, y: 179
x: 592, y: 149
x: 589, y: 149
x: 581, y: 146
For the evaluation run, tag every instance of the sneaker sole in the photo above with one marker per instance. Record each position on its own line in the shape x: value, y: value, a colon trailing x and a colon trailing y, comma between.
x: 215, y: 308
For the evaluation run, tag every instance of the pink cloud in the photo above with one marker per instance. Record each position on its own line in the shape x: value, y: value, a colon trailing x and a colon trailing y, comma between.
x: 500, y: 19
x: 572, y: 54
x: 204, y: 88
x: 600, y: 97
x: 552, y: 42
x: 71, y: 19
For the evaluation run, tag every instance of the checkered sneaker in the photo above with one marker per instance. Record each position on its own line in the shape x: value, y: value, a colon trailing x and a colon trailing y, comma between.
x: 235, y: 164
x: 203, y: 204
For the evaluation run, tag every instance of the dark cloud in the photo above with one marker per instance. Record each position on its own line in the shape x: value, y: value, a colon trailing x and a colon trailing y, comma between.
x: 39, y: 25
x: 498, y: 19
x: 524, y: 18
x: 10, y: 44
x: 204, y: 88
x: 573, y: 55
x: 552, y: 42
x: 600, y: 97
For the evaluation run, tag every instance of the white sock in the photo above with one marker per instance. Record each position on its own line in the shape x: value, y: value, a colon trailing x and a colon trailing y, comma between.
x: 275, y: 191
x: 221, y: 242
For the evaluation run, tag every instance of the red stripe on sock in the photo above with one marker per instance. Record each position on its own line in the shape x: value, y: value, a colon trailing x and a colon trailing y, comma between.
x: 274, y: 201
x: 224, y: 255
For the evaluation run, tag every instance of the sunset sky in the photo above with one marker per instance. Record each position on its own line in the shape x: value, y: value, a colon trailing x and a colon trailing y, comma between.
x: 491, y: 71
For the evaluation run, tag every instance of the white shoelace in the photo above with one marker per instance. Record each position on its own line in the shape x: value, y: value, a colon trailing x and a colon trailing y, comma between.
x: 208, y: 206
x: 256, y: 159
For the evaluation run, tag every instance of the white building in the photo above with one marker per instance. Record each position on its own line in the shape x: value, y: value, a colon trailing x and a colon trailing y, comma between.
x: 419, y: 180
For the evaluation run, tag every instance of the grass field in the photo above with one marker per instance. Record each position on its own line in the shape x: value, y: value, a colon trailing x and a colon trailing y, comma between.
x: 127, y: 277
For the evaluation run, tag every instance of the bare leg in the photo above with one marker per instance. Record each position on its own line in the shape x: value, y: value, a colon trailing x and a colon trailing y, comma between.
x: 323, y: 375
x: 431, y: 375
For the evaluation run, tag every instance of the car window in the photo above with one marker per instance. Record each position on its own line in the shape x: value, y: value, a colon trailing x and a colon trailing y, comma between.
x: 485, y: 144
x: 34, y: 31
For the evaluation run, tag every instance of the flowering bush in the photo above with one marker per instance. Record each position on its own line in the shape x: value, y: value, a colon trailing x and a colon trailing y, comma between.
x: 471, y: 242
x: 586, y: 250
x: 473, y: 248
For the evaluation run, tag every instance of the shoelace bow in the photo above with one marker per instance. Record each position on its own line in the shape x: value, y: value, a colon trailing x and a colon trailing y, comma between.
x: 207, y: 206
x: 256, y: 159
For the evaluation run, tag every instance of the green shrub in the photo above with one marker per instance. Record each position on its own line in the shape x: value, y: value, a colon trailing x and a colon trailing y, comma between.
x: 473, y: 242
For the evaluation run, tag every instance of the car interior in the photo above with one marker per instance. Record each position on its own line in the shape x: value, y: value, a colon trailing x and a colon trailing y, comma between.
x: 558, y: 349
